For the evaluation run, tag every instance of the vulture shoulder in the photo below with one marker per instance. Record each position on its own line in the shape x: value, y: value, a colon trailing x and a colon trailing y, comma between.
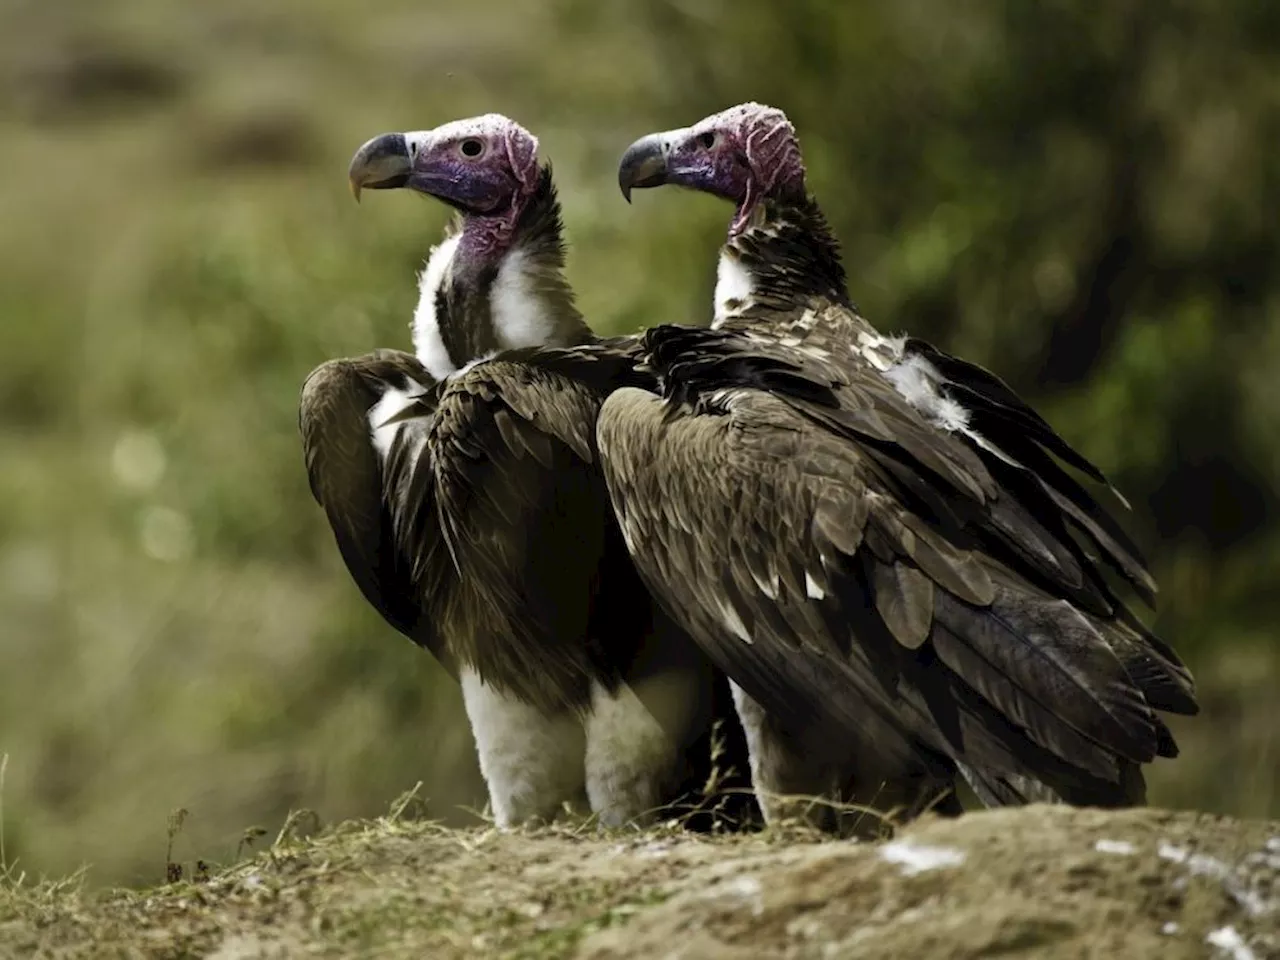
x: 817, y: 533
x: 356, y: 481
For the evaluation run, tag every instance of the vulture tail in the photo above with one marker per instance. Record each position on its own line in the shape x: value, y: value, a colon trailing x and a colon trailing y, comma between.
x: 1050, y: 671
x: 1006, y: 767
x: 1164, y: 686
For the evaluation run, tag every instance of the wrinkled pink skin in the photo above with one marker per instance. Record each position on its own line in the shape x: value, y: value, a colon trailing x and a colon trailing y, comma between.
x: 744, y: 154
x: 491, y: 189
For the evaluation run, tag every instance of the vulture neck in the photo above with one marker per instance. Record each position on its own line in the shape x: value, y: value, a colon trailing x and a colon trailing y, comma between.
x: 490, y: 286
x: 786, y: 255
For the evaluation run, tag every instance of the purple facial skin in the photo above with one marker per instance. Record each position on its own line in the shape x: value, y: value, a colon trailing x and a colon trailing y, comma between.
x: 745, y: 154
x: 485, y: 167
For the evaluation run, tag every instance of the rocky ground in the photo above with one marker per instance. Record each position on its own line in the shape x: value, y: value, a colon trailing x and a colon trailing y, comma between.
x: 1038, y: 882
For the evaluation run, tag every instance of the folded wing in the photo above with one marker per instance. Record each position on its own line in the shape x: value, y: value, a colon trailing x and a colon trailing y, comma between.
x: 837, y: 553
x: 351, y: 477
x: 524, y: 514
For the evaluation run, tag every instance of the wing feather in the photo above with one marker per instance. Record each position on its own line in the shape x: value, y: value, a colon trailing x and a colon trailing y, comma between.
x: 350, y: 484
x: 526, y: 515
x: 904, y: 600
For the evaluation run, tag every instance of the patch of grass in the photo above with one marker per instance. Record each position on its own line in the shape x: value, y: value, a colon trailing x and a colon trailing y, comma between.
x: 398, y: 887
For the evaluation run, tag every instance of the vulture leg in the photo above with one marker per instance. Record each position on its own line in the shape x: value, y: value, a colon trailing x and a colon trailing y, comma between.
x: 795, y: 779
x: 531, y: 759
x: 805, y: 777
x: 649, y: 742
x: 631, y: 761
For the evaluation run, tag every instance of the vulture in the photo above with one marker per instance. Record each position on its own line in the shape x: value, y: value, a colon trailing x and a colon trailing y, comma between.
x: 462, y: 485
x: 885, y: 548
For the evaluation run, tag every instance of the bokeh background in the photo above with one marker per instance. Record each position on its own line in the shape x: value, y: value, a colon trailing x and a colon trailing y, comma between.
x: 1080, y: 195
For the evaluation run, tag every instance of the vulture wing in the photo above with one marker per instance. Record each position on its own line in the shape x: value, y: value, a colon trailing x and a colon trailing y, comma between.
x: 836, y: 552
x: 524, y: 512
x: 350, y: 478
x: 1025, y: 451
x: 705, y: 504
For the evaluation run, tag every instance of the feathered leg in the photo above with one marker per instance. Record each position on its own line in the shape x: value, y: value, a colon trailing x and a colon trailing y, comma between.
x: 531, y: 761
x: 631, y: 761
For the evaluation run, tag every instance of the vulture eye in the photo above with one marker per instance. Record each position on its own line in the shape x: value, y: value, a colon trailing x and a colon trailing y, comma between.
x: 706, y: 140
x: 472, y: 147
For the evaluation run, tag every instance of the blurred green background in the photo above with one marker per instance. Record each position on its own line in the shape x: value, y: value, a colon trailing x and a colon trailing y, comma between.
x: 1080, y: 195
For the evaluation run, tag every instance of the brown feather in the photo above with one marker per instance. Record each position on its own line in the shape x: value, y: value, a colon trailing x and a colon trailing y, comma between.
x: 904, y: 599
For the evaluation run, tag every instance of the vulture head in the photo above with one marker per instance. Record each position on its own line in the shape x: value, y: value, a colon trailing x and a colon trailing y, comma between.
x: 483, y: 166
x: 747, y: 154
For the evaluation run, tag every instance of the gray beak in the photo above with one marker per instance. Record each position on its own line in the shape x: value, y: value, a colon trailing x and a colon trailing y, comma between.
x: 643, y: 165
x: 383, y: 163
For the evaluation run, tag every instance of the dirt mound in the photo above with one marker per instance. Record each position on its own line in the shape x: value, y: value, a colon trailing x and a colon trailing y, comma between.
x: 1038, y: 882
x: 1043, y: 882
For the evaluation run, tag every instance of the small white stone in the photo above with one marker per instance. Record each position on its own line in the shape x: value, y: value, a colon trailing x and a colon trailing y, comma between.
x: 1229, y: 941
x: 1167, y: 851
x: 1121, y: 848
x: 916, y: 858
x: 748, y: 888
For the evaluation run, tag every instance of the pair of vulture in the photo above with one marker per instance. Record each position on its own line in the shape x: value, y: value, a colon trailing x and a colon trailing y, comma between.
x: 862, y: 567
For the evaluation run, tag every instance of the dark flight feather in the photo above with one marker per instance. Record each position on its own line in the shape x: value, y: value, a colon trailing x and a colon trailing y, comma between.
x: 347, y: 481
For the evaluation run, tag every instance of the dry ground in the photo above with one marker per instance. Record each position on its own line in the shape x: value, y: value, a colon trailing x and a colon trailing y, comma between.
x: 1038, y: 882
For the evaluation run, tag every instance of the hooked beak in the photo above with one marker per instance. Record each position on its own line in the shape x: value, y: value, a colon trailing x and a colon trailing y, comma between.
x: 383, y: 163
x: 644, y: 164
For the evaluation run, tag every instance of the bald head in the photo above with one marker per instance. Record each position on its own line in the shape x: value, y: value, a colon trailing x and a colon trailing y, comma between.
x: 745, y: 154
x: 486, y: 165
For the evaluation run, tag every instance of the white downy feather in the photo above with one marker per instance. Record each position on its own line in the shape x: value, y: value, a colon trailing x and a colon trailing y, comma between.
x: 733, y: 289
x: 532, y: 763
x: 427, y: 342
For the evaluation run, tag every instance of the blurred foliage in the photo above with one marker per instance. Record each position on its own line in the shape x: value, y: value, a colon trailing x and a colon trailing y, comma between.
x: 1079, y: 195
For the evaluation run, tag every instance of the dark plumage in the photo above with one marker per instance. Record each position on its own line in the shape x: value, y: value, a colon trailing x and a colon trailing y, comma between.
x: 468, y: 503
x: 875, y: 540
x: 346, y: 478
